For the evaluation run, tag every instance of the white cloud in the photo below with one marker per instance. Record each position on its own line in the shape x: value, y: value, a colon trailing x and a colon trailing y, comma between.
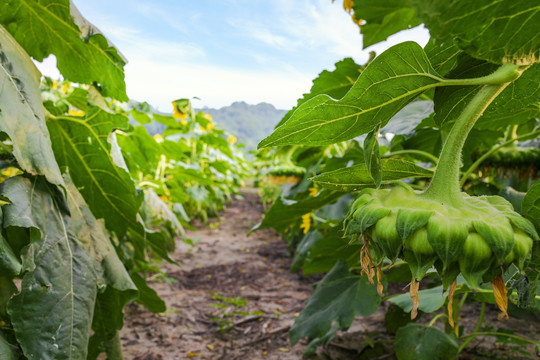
x: 160, y: 83
x: 160, y: 71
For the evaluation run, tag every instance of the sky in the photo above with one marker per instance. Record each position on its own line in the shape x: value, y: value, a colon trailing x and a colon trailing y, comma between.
x: 221, y: 51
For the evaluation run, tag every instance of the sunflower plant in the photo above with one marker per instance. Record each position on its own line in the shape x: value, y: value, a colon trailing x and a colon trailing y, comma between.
x: 435, y: 108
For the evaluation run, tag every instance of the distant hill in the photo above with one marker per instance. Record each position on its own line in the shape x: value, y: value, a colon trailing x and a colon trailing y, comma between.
x: 249, y: 123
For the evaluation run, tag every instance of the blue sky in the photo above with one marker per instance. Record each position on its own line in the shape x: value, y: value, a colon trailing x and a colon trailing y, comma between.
x: 228, y: 50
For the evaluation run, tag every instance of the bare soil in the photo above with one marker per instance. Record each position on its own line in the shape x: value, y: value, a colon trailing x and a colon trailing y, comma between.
x: 233, y: 297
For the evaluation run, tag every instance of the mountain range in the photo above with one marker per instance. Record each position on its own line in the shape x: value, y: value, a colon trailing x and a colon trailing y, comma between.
x: 249, y: 123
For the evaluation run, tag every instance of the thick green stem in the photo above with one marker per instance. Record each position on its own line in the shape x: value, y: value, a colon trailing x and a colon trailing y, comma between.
x: 444, y: 186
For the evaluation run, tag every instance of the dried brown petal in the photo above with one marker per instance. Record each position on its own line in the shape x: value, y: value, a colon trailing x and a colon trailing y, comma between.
x: 451, y: 291
x: 414, y: 297
x: 379, y: 283
x: 501, y: 296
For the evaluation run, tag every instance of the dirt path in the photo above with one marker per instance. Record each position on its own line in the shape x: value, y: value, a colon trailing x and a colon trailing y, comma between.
x: 243, y: 287
x: 224, y: 263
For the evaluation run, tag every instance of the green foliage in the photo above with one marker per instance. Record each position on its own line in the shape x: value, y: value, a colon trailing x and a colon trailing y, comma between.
x: 356, y: 297
x: 88, y: 201
x: 408, y: 111
x: 415, y: 341
x: 83, y: 54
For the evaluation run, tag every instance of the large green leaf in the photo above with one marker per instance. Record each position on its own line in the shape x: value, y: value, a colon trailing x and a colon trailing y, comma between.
x: 81, y: 148
x: 332, y: 83
x: 285, y: 212
x: 499, y: 31
x: 517, y: 103
x: 52, y: 313
x: 21, y: 111
x: 82, y: 53
x: 96, y: 241
x: 338, y: 298
x: 358, y: 177
x: 383, y: 18
x: 420, y: 342
x: 388, y: 83
x: 120, y: 289
x: 442, y: 56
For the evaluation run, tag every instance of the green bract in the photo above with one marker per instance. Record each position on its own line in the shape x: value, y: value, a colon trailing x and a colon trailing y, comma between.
x: 478, y: 235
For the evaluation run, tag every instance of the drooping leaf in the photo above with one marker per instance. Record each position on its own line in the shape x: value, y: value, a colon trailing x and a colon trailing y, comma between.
x: 503, y: 31
x: 148, y: 296
x: 383, y: 18
x: 52, y: 313
x: 332, y: 83
x: 357, y: 177
x: 83, y: 54
x: 21, y: 111
x: 81, y: 147
x: 285, y: 211
x: 96, y: 241
x: 388, y: 83
x: 108, y: 318
x: 420, y: 342
x: 339, y: 297
x: 372, y: 158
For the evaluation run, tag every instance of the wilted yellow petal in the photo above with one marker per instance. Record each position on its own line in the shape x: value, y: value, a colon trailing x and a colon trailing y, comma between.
x: 414, y: 297
x: 501, y: 295
x: 313, y: 191
x: 451, y: 291
x: 191, y: 354
x: 283, y: 349
x: 210, y: 347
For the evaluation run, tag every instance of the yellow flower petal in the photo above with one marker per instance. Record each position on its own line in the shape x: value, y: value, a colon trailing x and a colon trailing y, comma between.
x: 313, y: 191
x: 210, y: 126
x: 231, y: 139
x: 75, y: 112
